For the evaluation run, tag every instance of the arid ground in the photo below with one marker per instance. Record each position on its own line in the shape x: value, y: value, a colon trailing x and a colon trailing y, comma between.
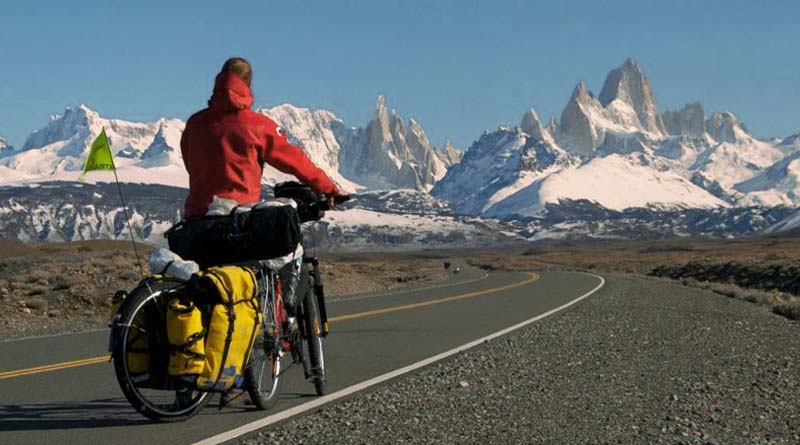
x: 63, y: 287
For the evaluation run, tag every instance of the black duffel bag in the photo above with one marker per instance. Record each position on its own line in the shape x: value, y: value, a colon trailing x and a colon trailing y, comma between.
x: 261, y: 233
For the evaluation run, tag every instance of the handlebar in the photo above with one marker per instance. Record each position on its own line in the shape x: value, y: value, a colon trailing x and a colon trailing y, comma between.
x: 325, y: 204
x: 310, y: 204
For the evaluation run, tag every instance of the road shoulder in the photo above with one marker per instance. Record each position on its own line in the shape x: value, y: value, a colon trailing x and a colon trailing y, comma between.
x: 642, y: 361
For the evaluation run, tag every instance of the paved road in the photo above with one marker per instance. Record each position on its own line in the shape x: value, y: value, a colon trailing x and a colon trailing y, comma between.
x: 83, y: 404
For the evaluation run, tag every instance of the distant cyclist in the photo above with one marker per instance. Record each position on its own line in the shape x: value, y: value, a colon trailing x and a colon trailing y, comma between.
x: 225, y: 147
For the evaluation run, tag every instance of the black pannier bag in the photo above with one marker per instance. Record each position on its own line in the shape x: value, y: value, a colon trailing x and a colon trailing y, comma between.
x: 264, y: 232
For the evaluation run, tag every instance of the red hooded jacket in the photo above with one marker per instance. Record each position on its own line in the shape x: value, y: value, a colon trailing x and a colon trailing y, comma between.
x: 225, y: 147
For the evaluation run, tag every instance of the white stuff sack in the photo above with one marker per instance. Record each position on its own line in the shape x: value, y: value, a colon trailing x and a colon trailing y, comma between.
x: 168, y: 263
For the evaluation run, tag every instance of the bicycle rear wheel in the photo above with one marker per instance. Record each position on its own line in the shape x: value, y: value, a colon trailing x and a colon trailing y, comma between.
x: 141, y: 342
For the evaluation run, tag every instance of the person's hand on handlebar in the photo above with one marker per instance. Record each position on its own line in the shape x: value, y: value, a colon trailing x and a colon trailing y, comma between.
x: 335, y: 199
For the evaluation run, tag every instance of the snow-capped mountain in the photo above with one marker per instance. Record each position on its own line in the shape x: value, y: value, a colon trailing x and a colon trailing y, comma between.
x: 501, y: 163
x: 387, y: 153
x: 319, y: 132
x: 390, y: 153
x: 58, y: 151
x: 608, y: 165
x: 626, y: 109
x: 5, y: 172
x: 777, y: 185
x: 619, y: 152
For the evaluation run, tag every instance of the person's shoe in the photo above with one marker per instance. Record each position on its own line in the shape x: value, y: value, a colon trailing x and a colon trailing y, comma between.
x: 234, y: 397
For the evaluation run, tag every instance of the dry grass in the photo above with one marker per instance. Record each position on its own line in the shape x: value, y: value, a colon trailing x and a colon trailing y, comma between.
x: 67, y: 286
x: 56, y: 287
x: 61, y: 287
x: 761, y: 270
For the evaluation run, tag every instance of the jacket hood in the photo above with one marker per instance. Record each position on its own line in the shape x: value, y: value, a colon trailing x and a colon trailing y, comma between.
x: 231, y: 93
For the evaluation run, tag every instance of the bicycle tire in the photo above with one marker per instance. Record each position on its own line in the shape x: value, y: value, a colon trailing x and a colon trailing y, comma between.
x: 316, y: 356
x: 132, y: 318
x: 265, y: 362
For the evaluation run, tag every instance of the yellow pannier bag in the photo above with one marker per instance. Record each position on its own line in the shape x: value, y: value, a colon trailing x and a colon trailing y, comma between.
x: 231, y: 329
x: 138, y: 355
x: 186, y: 338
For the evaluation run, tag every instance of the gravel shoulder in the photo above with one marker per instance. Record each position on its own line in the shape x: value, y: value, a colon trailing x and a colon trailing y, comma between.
x: 641, y: 361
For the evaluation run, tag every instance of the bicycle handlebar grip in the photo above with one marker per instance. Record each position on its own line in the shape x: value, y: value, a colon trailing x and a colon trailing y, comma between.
x: 326, y: 204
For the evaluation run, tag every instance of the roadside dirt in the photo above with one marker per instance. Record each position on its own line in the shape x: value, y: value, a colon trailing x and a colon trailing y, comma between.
x: 67, y: 287
x: 760, y: 270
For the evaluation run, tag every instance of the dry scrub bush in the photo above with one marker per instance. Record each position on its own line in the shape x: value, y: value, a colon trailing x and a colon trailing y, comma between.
x: 36, y: 290
x: 128, y: 275
x: 789, y: 309
x: 37, y: 304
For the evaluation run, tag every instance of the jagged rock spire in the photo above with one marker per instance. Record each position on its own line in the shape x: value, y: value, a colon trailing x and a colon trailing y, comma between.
x: 552, y: 125
x: 580, y: 92
x: 576, y: 124
x: 628, y: 84
x: 725, y: 127
x: 689, y: 121
x: 390, y: 153
x: 532, y: 125
x: 450, y: 154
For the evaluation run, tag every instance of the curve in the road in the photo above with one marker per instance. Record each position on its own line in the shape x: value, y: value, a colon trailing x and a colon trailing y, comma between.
x: 104, y: 358
x: 299, y: 409
x: 83, y: 404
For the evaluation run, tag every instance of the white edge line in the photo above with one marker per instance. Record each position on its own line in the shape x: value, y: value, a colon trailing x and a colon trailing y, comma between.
x: 63, y: 334
x: 283, y: 415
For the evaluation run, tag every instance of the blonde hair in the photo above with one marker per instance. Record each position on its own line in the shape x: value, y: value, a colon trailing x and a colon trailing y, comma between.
x: 240, y: 67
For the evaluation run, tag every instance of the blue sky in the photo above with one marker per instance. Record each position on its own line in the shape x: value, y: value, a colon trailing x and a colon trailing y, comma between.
x: 458, y: 67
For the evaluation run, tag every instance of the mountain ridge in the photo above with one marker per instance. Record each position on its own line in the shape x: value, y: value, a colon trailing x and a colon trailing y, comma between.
x: 623, y: 153
x: 614, y: 151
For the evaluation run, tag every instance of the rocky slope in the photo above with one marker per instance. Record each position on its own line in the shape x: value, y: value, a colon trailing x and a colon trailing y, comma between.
x: 790, y: 224
x: 70, y: 211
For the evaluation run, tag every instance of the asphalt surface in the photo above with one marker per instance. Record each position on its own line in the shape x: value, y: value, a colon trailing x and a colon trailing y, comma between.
x: 83, y: 404
x: 642, y: 361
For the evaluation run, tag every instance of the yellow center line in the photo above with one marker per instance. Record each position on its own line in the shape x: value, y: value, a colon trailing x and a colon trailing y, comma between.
x: 53, y: 367
x: 104, y: 358
x: 531, y: 278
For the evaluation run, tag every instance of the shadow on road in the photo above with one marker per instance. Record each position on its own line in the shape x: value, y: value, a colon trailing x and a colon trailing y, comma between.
x: 54, y: 416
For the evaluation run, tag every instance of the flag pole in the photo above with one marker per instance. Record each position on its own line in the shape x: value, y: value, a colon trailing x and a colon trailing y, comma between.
x: 130, y: 228
x: 124, y: 206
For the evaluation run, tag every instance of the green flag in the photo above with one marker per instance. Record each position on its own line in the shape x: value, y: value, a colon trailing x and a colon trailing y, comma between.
x: 99, y: 156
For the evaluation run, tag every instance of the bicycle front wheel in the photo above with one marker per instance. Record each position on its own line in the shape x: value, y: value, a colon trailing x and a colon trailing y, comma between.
x: 262, y: 376
x: 314, y: 340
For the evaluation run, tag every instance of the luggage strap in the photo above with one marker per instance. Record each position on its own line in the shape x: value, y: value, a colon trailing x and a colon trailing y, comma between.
x: 184, y: 348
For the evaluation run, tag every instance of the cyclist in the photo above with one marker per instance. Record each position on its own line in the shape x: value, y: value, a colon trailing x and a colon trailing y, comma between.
x: 225, y: 147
